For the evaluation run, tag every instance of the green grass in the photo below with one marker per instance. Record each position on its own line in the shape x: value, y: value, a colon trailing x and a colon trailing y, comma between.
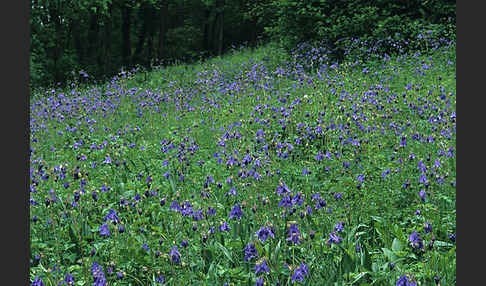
x: 190, y: 107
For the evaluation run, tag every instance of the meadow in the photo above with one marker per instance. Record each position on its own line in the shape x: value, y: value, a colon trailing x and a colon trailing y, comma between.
x: 255, y: 168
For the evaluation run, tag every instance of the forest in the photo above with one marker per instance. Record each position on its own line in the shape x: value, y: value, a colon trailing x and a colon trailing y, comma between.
x: 95, y: 39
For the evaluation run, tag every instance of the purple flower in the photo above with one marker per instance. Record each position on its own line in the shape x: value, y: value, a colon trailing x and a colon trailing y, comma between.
x: 405, y: 280
x: 236, y: 212
x: 406, y: 184
x: 306, y: 172
x: 333, y: 238
x: 211, y: 211
x: 422, y: 195
x: 294, y: 234
x: 259, y: 281
x: 224, y: 227
x: 415, y: 240
x: 262, y: 267
x: 232, y: 191
x: 175, y: 206
x: 175, y: 256
x: 360, y: 178
x: 104, y: 230
x: 250, y: 251
x: 300, y: 272
x: 160, y: 279
x: 386, y: 172
x: 423, y: 179
x: 145, y: 246
x: 112, y: 216
x: 403, y: 141
x: 338, y: 196
x: 37, y: 282
x: 184, y: 243
x: 68, y: 280
x: 339, y: 227
x: 98, y: 275
x: 286, y: 201
x: 452, y: 237
x: 107, y: 160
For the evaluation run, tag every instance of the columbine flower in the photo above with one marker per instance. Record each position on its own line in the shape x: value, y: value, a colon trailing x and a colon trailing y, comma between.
x: 175, y: 256
x: 145, y: 246
x: 68, y: 280
x: 286, y: 201
x: 211, y: 211
x: 452, y: 237
x: 406, y: 184
x: 294, y: 234
x: 386, y: 172
x: 37, y: 282
x: 415, y: 240
x: 333, y: 238
x: 259, y: 281
x: 405, y: 280
x: 250, y: 251
x: 98, y: 275
x: 422, y: 195
x: 299, y: 273
x: 175, y: 206
x: 104, y: 230
x: 224, y: 227
x: 184, y: 243
x: 161, y: 279
x: 262, y: 267
x: 263, y: 233
x: 360, y: 178
x: 339, y: 227
x: 232, y: 191
x: 236, y: 212
x: 306, y: 171
x: 107, y: 160
x: 423, y: 179
x: 112, y: 216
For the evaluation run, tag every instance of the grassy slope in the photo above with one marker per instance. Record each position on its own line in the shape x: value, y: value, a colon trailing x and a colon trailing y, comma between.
x: 190, y: 106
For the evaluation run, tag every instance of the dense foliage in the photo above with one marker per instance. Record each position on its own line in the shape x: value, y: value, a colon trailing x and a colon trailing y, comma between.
x: 257, y: 168
x: 99, y: 37
x: 335, y: 21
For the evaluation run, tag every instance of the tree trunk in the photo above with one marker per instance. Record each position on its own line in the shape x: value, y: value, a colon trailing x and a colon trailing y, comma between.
x: 164, y: 12
x: 57, y: 49
x: 205, y: 30
x: 108, y: 59
x: 221, y: 26
x: 93, y: 33
x: 126, y: 24
x: 141, y: 39
x: 211, y: 24
x: 78, y: 43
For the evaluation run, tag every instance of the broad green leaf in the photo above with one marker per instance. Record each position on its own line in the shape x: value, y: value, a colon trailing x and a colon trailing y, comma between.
x: 389, y: 254
x: 225, y: 251
x: 396, y: 245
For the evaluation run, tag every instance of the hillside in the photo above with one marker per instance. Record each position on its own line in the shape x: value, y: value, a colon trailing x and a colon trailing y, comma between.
x: 249, y: 168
